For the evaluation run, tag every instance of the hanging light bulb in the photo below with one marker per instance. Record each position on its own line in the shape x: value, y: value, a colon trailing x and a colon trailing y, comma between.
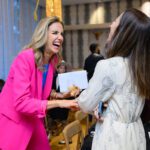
x: 54, y: 8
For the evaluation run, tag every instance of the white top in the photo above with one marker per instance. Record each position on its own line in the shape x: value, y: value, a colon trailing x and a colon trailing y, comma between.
x: 122, y: 128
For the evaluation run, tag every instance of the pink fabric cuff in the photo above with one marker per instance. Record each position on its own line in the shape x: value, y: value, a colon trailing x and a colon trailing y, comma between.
x: 43, y: 109
x: 44, y: 106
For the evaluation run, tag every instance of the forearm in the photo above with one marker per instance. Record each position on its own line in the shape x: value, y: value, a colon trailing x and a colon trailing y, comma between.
x: 62, y: 104
x: 56, y: 95
x: 53, y: 104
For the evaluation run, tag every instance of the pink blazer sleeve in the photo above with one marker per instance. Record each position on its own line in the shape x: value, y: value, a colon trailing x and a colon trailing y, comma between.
x: 24, y: 101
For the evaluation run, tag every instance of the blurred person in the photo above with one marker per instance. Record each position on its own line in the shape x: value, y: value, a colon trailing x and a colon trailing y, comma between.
x: 123, y: 81
x: 92, y: 59
x: 24, y: 98
x: 146, y: 122
x: 90, y: 63
x: 58, y: 115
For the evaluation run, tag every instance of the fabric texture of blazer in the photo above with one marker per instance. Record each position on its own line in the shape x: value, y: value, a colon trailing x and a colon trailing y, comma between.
x: 23, y: 102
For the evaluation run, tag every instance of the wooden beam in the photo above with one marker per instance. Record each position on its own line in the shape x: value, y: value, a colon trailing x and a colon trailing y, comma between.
x: 87, y: 26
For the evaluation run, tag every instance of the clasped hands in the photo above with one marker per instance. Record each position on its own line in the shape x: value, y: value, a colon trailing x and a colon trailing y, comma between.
x: 73, y: 92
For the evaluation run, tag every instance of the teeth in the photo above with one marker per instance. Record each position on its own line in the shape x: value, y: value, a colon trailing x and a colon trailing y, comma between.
x: 56, y: 44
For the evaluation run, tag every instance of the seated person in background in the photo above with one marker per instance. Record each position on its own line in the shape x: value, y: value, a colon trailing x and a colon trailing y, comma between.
x: 58, y: 116
x: 2, y: 82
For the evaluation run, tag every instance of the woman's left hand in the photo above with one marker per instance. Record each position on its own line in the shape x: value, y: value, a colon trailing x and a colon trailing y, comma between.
x: 97, y: 115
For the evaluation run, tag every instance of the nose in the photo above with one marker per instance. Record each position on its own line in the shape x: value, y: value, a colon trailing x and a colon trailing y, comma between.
x: 60, y: 37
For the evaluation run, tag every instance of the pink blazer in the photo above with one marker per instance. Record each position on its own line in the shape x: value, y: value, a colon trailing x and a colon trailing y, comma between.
x: 22, y: 100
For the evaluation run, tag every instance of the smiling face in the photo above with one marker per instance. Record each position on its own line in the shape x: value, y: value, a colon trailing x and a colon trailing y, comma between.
x: 54, y: 41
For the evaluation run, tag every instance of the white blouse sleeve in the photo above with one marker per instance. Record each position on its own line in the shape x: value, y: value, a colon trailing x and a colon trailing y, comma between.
x: 100, y: 88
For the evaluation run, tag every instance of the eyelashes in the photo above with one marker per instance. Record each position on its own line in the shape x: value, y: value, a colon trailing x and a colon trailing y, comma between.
x: 57, y: 32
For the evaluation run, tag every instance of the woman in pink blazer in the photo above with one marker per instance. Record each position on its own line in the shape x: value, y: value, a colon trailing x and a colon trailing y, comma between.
x: 23, y: 99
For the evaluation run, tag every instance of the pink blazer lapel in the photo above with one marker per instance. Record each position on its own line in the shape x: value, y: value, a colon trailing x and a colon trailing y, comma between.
x: 48, y: 84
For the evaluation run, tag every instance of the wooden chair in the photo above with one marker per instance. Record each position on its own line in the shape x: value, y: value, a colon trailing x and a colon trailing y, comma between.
x: 79, y: 115
x: 70, y: 130
x: 47, y: 127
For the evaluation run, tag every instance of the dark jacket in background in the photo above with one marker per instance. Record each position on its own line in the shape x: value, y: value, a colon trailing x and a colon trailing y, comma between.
x: 145, y: 116
x: 90, y: 63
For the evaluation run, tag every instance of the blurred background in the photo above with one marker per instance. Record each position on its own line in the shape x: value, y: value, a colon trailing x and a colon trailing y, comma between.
x: 86, y: 21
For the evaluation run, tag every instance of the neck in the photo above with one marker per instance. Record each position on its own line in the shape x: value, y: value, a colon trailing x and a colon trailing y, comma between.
x: 47, y: 57
x: 46, y: 60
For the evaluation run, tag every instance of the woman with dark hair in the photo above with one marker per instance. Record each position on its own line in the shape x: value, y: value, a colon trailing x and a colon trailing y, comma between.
x: 123, y: 81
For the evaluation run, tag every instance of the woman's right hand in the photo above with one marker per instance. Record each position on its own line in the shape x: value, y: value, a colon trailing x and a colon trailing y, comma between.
x: 71, y: 104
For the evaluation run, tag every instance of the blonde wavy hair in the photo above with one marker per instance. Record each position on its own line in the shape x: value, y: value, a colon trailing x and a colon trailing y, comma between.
x: 39, y: 39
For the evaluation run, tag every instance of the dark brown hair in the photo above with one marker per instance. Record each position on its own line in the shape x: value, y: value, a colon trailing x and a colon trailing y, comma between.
x: 132, y: 39
x: 93, y: 47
